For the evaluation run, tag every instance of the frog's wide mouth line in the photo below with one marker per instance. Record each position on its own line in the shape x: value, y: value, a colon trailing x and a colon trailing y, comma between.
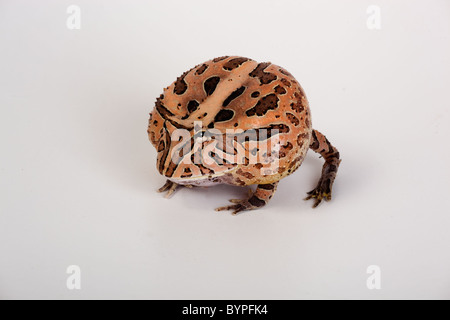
x: 201, y: 178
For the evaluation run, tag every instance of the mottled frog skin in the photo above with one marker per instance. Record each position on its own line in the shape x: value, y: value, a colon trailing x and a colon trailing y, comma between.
x: 241, y: 94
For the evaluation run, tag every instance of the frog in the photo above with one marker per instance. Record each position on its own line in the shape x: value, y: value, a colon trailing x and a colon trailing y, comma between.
x: 264, y: 118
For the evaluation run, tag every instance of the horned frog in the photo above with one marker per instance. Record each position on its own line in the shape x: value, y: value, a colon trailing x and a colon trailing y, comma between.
x: 233, y: 120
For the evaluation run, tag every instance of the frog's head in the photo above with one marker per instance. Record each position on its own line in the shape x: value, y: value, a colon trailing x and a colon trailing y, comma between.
x: 160, y: 138
x: 155, y: 128
x: 180, y: 155
x: 171, y: 143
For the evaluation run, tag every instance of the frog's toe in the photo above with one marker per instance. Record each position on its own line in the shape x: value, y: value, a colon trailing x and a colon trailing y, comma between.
x: 321, y: 192
x: 170, y: 187
x: 235, y: 207
x: 165, y: 187
x: 238, y: 206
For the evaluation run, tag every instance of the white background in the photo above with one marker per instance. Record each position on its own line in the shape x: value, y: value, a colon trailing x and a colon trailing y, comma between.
x: 78, y: 175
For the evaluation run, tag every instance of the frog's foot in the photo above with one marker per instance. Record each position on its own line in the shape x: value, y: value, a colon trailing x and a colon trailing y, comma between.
x: 257, y: 199
x: 170, y: 187
x: 321, y: 192
x: 241, y: 205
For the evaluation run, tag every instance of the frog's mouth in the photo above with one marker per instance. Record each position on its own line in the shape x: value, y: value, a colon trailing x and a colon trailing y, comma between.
x: 200, y: 182
x: 203, y: 180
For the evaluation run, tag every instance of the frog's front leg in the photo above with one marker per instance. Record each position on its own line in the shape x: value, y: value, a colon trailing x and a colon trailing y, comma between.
x: 257, y: 199
x: 170, y: 187
x: 320, y: 144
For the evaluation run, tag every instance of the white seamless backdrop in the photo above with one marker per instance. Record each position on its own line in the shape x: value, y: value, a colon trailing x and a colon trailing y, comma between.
x: 78, y: 175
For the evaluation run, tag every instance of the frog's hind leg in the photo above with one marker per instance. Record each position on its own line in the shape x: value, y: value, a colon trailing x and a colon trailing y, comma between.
x: 320, y: 144
x: 257, y: 199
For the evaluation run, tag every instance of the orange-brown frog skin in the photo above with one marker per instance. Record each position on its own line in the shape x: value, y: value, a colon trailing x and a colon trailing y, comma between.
x: 241, y: 94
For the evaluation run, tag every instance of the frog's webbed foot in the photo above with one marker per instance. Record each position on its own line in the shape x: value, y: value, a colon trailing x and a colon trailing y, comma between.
x: 255, y: 200
x: 321, y: 192
x: 170, y: 187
